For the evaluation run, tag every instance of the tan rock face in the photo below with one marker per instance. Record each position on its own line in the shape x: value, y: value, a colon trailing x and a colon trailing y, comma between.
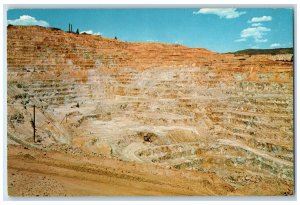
x: 185, y: 108
x: 282, y: 57
x: 104, y: 149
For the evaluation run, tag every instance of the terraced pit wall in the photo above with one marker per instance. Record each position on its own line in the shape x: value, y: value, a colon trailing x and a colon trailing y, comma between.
x: 153, y: 103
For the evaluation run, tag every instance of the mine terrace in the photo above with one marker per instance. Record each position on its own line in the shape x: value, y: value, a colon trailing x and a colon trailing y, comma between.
x: 144, y: 118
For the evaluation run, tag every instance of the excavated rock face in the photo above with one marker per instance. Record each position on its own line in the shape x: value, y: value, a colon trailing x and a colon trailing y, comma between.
x: 283, y: 57
x: 154, y: 103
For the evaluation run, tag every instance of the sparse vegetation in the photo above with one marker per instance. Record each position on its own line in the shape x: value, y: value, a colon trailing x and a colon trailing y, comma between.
x: 264, y: 51
x: 55, y: 29
x: 20, y: 96
x: 18, y: 117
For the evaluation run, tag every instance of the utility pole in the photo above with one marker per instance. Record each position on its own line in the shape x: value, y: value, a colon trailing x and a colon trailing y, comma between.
x: 34, y: 123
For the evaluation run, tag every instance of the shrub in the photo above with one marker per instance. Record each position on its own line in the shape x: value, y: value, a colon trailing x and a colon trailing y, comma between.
x: 18, y: 117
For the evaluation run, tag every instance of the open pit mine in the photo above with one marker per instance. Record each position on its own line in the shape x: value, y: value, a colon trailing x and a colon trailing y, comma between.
x: 92, y: 116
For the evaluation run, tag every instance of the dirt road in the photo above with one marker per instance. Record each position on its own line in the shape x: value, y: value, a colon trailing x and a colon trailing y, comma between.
x: 33, y: 172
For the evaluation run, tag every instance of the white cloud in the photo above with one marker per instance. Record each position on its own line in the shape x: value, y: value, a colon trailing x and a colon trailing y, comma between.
x: 26, y: 20
x: 261, y: 40
x: 255, y: 32
x: 260, y: 19
x: 275, y: 45
x: 178, y: 42
x: 256, y: 24
x: 150, y: 40
x: 240, y: 40
x: 228, y: 13
x: 91, y: 32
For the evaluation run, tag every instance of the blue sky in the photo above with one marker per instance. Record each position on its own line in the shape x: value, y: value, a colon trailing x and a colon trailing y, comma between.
x: 217, y: 29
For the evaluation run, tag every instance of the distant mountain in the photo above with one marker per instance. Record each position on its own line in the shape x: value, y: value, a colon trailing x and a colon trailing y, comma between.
x: 264, y: 51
